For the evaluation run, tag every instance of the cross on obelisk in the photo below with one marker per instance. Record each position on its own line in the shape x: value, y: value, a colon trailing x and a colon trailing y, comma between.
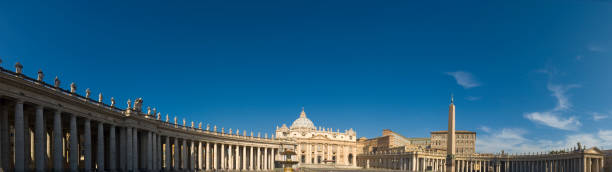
x: 450, y: 148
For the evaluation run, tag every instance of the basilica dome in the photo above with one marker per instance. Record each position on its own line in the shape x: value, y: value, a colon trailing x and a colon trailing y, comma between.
x: 303, y: 122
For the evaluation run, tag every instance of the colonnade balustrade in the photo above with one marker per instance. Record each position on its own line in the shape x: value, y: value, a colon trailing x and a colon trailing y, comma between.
x: 46, y: 128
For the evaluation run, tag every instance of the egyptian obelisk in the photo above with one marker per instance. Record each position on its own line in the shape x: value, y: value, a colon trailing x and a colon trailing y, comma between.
x: 450, y: 148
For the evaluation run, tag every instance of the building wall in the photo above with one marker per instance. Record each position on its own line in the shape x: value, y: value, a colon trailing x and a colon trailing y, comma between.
x: 466, y: 141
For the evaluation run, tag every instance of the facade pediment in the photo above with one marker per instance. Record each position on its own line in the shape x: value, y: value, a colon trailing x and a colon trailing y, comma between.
x: 593, y: 150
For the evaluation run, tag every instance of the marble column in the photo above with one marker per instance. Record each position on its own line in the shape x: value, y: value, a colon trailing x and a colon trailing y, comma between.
x: 168, y: 154
x: 191, y: 155
x: 230, y: 164
x: 149, y: 148
x: 177, y: 164
x: 222, y: 156
x: 244, y: 157
x: 112, y: 149
x: 199, y: 154
x: 58, y: 159
x: 215, y: 157
x: 100, y: 151
x: 128, y: 149
x: 135, y: 155
x: 207, y: 156
x: 272, y: 158
x: 258, y: 161
x: 74, y: 147
x: 87, y: 144
x: 19, y: 137
x: 39, y: 153
x: 4, y: 133
x: 122, y: 149
x: 184, y: 154
x: 265, y: 159
x: 251, y: 159
x: 153, y: 151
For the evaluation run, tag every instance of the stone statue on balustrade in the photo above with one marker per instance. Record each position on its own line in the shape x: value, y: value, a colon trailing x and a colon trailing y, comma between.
x: 138, y: 105
x: 112, y: 102
x: 40, y: 76
x: 56, y: 82
x: 87, y: 93
x: 73, y: 88
x: 100, y: 98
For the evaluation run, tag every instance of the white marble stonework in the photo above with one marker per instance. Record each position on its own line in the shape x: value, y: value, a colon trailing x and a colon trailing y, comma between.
x: 320, y: 147
x: 49, y: 128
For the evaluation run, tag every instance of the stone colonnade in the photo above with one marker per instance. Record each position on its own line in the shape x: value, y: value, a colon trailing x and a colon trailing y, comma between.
x: 46, y: 128
x: 578, y: 160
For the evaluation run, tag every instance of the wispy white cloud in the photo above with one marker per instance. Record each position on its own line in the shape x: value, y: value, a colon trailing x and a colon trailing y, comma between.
x: 595, y: 48
x: 514, y: 140
x: 508, y: 140
x: 598, y: 116
x: 559, y: 92
x: 485, y: 129
x: 465, y: 79
x: 554, y: 120
x: 472, y: 98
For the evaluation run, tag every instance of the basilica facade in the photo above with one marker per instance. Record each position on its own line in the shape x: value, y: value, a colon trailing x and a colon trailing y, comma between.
x: 320, y: 147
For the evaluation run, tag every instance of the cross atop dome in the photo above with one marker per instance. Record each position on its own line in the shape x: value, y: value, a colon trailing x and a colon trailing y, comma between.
x: 302, y: 114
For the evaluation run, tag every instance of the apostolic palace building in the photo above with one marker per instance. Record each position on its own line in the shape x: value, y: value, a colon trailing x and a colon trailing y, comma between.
x: 46, y: 127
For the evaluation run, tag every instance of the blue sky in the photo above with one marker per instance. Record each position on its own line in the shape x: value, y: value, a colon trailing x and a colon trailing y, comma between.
x: 527, y: 75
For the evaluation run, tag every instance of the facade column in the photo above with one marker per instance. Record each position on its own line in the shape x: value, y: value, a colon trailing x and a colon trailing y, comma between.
x: 273, y: 157
x: 244, y: 157
x: 135, y: 151
x: 112, y: 149
x: 19, y: 137
x: 153, y: 151
x: 258, y: 162
x: 251, y: 159
x: 58, y: 158
x: 265, y: 159
x: 222, y: 159
x: 199, y: 155
x: 168, y: 154
x: 184, y: 154
x: 149, y: 148
x: 207, y: 156
x: 122, y: 147
x: 191, y: 155
x: 39, y: 153
x: 230, y: 163
x: 74, y: 147
x: 4, y: 133
x: 128, y: 149
x: 100, y: 151
x: 215, y: 156
x: 176, y: 163
x: 87, y: 144
x: 237, y: 157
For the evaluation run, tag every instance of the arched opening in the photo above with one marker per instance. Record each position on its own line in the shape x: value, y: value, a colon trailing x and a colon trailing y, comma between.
x: 350, y: 159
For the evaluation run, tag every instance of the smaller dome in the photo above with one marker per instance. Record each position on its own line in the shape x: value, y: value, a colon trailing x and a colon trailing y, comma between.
x: 303, y: 122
